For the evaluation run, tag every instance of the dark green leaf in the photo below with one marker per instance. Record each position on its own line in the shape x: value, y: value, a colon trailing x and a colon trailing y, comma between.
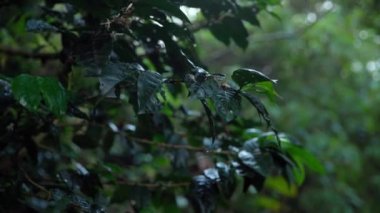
x: 210, y: 119
x: 148, y: 85
x: 114, y: 73
x: 262, y: 111
x: 54, y: 95
x: 245, y: 76
x: 249, y: 14
x: 227, y: 103
x: 26, y: 91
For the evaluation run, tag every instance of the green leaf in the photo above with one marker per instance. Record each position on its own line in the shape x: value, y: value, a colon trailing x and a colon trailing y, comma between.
x: 265, y: 87
x: 31, y: 90
x: 54, y: 95
x: 227, y: 103
x: 26, y: 91
x: 246, y: 76
x: 304, y: 157
x: 148, y: 85
x: 35, y: 25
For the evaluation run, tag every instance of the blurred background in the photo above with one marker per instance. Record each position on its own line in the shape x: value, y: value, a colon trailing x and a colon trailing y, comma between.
x: 326, y: 56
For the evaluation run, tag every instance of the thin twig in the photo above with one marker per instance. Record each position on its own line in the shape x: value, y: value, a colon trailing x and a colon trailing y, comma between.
x: 179, y: 146
x: 37, y: 185
x: 22, y: 53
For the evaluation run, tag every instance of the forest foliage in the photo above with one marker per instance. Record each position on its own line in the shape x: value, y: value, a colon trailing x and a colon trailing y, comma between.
x: 106, y: 105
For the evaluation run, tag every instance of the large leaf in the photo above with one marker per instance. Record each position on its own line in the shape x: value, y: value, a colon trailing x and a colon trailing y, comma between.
x: 26, y: 91
x: 148, y: 85
x: 245, y: 76
x: 54, y: 95
x: 116, y: 72
x: 31, y: 90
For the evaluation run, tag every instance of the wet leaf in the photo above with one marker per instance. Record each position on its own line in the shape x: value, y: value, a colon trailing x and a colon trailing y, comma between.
x: 148, y: 85
x: 246, y: 76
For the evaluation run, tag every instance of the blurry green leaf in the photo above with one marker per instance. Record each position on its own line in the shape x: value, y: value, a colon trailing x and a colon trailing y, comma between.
x: 304, y: 157
x: 35, y: 25
x: 245, y: 77
x: 265, y: 87
x: 148, y: 85
x: 53, y: 94
x: 26, y: 91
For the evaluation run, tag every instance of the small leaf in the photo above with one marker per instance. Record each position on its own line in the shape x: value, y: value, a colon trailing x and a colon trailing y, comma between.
x: 53, y: 94
x: 148, y: 85
x: 210, y: 119
x: 26, y: 91
x: 34, y: 25
x: 245, y: 76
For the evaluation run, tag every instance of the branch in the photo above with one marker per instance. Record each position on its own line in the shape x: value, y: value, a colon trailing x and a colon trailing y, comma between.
x: 180, y: 146
x: 22, y: 53
x: 155, y: 185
